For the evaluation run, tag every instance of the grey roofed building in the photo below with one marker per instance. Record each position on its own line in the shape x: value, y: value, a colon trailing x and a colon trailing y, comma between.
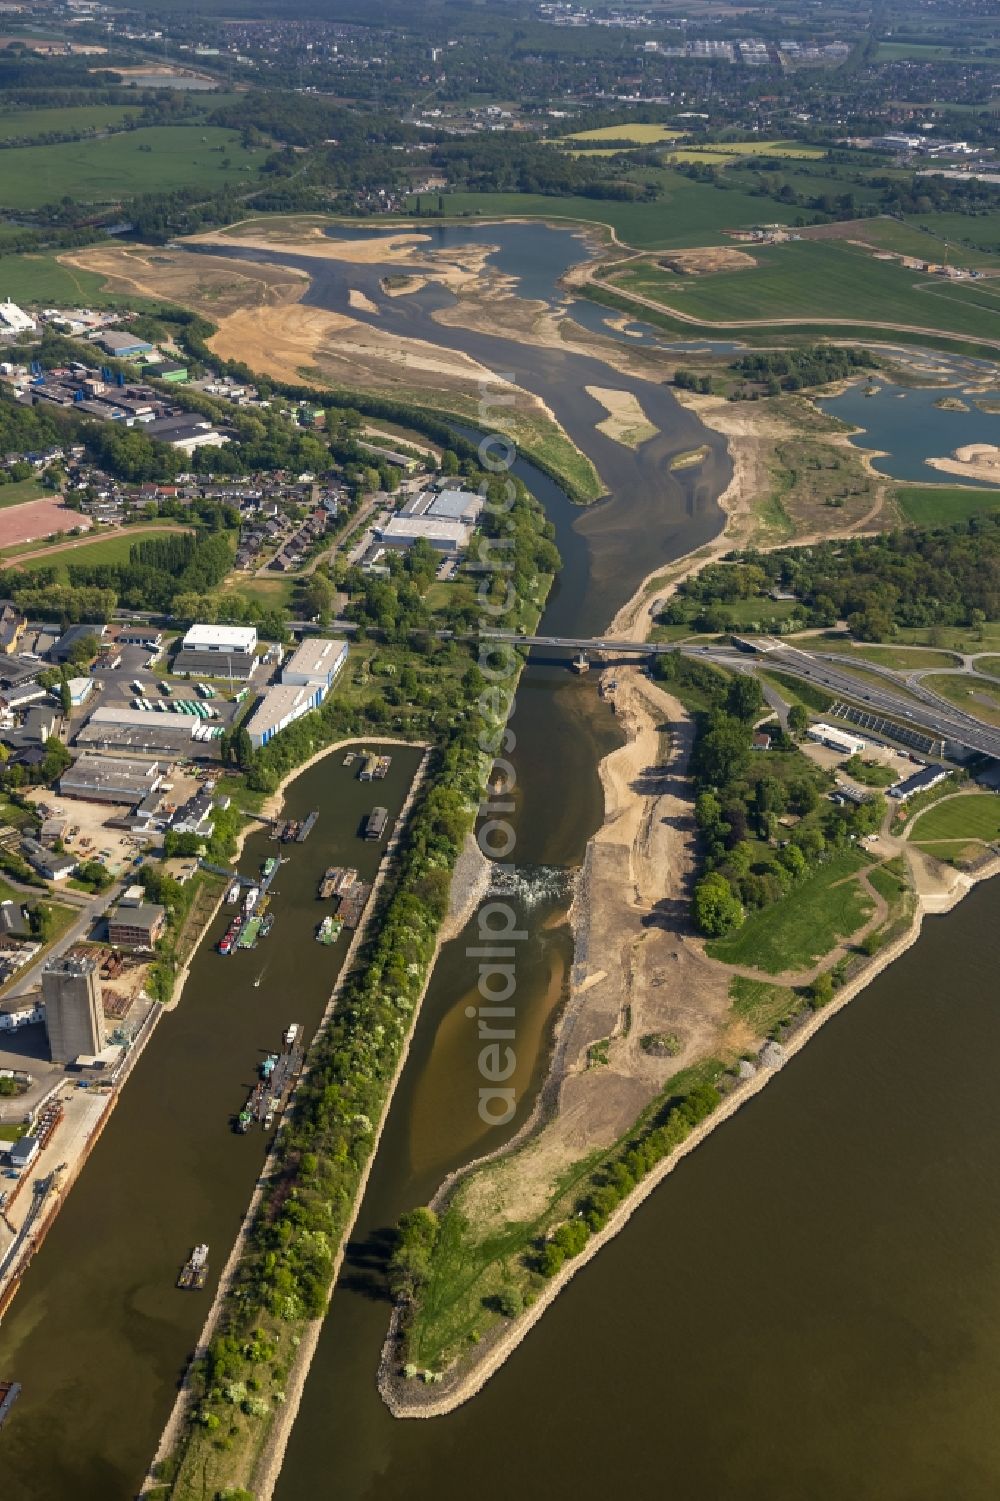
x: 48, y: 864
x: 111, y: 779
x: 17, y: 670
x: 21, y: 1154
x: 926, y: 777
x: 71, y: 638
x: 116, y: 342
x: 40, y: 724
x: 11, y: 626
x: 136, y: 927
x: 13, y: 922
x: 194, y: 816
x: 214, y: 664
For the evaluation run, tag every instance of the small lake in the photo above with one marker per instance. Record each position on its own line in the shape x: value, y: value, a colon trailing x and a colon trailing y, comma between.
x: 905, y: 423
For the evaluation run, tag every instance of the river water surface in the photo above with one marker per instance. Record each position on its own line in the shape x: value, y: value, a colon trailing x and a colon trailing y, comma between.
x: 807, y: 1308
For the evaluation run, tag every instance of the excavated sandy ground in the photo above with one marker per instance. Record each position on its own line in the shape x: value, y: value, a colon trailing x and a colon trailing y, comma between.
x: 978, y: 460
x: 636, y: 971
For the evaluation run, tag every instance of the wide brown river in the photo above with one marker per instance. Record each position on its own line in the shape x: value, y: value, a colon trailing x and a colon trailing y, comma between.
x: 808, y: 1307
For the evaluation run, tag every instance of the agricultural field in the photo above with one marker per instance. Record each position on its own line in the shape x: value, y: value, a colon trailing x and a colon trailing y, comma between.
x: 804, y: 280
x: 794, y: 934
x: 642, y: 135
x: 938, y: 505
x: 972, y: 818
x: 926, y: 239
x: 732, y: 151
x: 982, y: 230
x: 924, y: 52
x: 105, y: 170
x: 30, y: 123
x: 687, y: 214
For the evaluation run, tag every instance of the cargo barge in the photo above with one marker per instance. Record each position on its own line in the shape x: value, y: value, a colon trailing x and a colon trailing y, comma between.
x: 337, y: 881
x: 278, y: 1073
x: 376, y: 823
x: 353, y: 903
x: 374, y: 768
x: 9, y: 1393
x: 194, y: 1272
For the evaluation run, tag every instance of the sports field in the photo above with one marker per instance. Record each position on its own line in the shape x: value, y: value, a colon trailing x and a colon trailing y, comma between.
x: 110, y: 168
x: 975, y: 816
x: 35, y: 520
x: 113, y: 548
x: 818, y: 279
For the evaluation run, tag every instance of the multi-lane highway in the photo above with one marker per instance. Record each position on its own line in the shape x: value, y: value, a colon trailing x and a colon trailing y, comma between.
x: 932, y: 715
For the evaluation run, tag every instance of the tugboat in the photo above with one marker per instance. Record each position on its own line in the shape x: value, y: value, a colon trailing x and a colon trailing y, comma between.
x: 194, y: 1272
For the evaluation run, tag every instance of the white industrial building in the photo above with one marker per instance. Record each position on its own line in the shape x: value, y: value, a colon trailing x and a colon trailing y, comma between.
x: 442, y: 533
x: 837, y: 740
x: 280, y: 707
x: 232, y: 639
x: 14, y: 320
x: 227, y: 651
x: 446, y: 505
x: 317, y: 662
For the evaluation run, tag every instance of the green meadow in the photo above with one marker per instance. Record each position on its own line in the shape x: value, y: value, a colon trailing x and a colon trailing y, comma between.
x: 104, y: 170
x: 817, y: 279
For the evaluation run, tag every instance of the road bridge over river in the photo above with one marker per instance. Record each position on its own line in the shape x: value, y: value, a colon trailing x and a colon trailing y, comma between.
x: 915, y: 708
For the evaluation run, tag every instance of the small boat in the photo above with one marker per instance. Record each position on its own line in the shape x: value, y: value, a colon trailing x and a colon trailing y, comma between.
x: 267, y: 1067
x: 233, y: 894
x: 291, y: 1032
x: 350, y: 758
x: 194, y: 1272
x: 270, y: 866
x: 266, y: 925
x: 243, y: 1120
x: 329, y: 930
x: 256, y: 983
x: 252, y: 898
x: 268, y: 1120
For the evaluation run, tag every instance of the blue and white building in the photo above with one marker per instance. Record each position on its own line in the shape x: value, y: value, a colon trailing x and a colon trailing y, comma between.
x: 306, y: 679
